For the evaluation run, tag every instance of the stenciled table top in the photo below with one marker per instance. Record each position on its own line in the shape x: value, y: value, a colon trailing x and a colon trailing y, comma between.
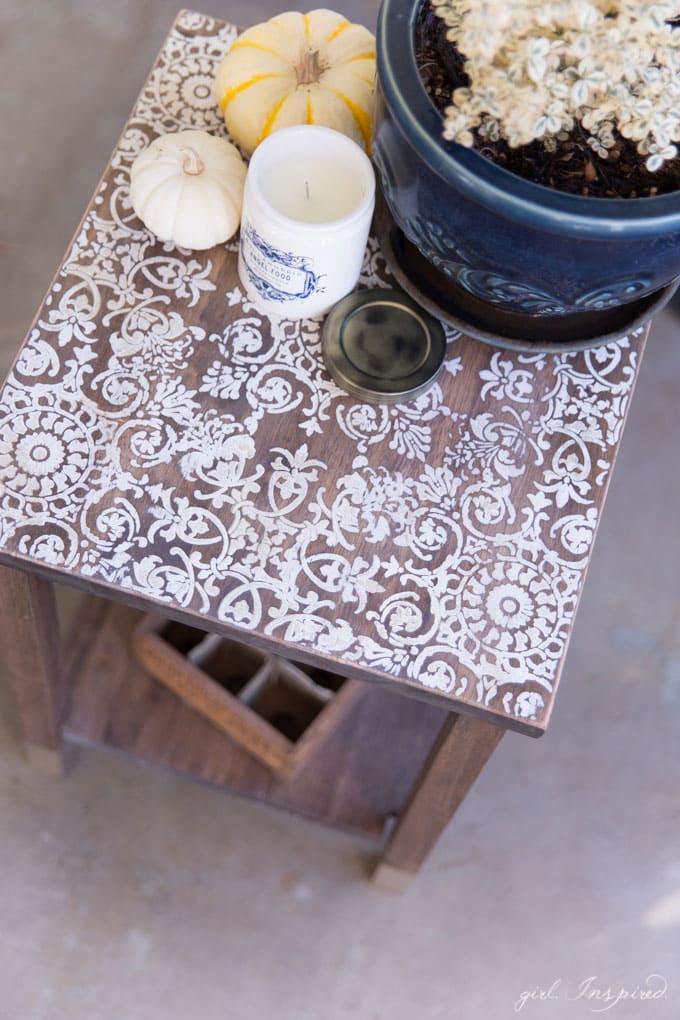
x: 160, y: 438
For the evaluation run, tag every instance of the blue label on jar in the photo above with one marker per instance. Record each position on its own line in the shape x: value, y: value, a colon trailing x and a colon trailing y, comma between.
x: 277, y: 275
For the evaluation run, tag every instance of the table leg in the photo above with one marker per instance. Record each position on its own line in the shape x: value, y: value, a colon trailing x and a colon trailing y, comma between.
x: 459, y: 754
x: 29, y: 638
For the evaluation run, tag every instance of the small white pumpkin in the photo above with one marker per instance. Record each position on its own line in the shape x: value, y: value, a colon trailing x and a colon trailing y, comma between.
x: 188, y: 188
x: 315, y: 68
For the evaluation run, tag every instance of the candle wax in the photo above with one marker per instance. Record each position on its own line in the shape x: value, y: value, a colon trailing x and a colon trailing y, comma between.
x: 312, y: 189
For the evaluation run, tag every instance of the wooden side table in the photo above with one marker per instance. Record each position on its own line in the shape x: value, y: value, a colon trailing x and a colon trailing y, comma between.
x: 165, y: 447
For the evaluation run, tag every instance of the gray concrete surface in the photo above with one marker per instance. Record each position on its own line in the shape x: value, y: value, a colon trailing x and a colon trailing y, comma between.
x: 130, y: 894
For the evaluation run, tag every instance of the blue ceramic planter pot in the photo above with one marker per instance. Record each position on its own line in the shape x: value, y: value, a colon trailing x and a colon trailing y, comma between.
x: 514, y: 245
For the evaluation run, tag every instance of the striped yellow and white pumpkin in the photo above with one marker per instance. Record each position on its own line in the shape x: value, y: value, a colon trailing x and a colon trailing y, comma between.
x: 315, y: 68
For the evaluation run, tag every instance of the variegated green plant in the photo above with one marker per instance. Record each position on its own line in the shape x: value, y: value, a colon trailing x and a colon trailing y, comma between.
x: 538, y: 68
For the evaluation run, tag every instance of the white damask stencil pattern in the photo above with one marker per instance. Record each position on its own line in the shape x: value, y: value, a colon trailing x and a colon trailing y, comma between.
x: 158, y: 434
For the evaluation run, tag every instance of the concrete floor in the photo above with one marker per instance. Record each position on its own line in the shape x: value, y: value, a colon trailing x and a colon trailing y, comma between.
x: 129, y: 894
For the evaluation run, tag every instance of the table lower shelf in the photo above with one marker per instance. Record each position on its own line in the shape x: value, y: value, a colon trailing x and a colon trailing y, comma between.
x: 360, y: 779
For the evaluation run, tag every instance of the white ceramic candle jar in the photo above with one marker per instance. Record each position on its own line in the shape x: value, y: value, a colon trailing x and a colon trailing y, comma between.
x: 307, y: 209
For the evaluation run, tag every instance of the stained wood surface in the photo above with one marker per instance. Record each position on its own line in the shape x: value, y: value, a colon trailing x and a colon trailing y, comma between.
x: 226, y: 709
x: 459, y: 754
x: 362, y: 778
x: 31, y: 655
x: 164, y: 444
x: 210, y: 699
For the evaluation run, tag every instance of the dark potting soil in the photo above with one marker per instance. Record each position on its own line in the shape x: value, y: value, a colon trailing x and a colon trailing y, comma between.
x: 573, y: 167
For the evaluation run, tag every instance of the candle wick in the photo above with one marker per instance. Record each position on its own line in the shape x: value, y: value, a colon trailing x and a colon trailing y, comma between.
x: 307, y: 195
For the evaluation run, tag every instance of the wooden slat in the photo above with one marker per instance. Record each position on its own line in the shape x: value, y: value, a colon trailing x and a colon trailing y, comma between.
x: 361, y: 780
x: 29, y: 636
x: 459, y: 754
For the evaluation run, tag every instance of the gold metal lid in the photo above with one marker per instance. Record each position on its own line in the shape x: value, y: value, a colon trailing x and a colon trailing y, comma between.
x: 382, y: 347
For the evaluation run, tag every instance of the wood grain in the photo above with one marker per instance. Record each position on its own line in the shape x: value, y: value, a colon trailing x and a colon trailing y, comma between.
x: 225, y: 708
x: 31, y: 651
x: 360, y: 781
x: 459, y: 754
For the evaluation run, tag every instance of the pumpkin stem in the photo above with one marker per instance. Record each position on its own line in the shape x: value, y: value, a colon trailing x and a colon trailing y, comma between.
x: 193, y: 164
x: 310, y: 70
